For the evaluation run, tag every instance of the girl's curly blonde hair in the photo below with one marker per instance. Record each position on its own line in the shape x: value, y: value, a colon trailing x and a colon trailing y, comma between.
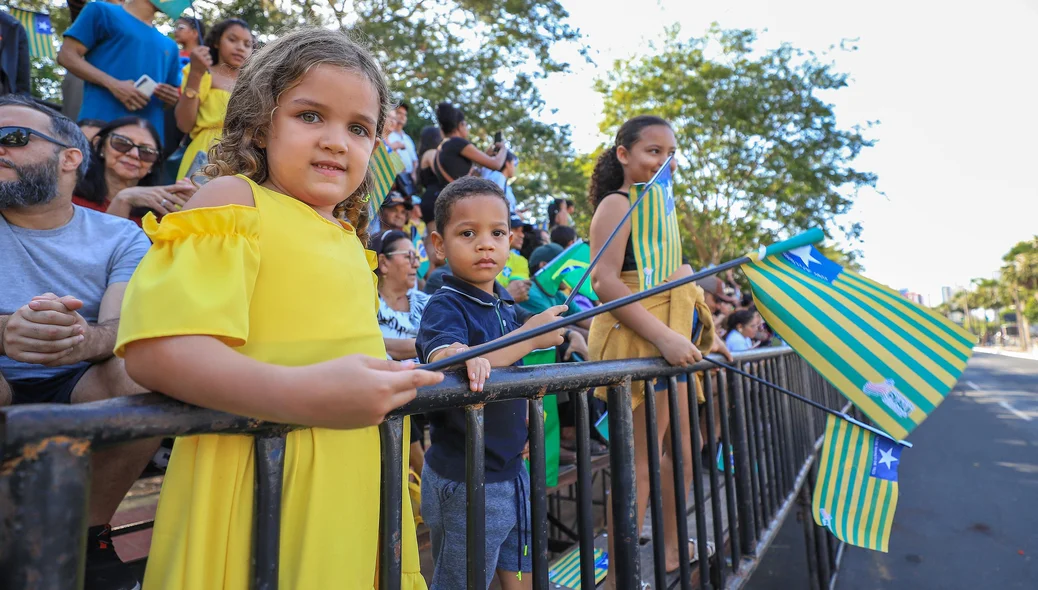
x: 271, y: 71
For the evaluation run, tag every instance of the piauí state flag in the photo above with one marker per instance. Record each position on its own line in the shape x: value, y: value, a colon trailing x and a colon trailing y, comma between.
x: 893, y: 359
x: 856, y: 492
x: 655, y: 234
x: 384, y: 168
x: 39, y: 31
x: 567, y: 267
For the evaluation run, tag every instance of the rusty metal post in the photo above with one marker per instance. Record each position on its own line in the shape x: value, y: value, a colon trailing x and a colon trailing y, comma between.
x: 627, y: 567
x: 49, y: 487
x: 390, y: 525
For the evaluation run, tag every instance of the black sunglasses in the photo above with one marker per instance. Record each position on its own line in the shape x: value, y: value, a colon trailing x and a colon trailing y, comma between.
x: 123, y: 145
x: 19, y: 137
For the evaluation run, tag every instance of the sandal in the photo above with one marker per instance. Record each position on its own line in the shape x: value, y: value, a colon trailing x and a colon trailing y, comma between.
x: 694, y: 552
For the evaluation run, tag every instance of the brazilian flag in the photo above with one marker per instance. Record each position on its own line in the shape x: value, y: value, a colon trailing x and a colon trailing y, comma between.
x: 552, y: 432
x: 39, y: 31
x: 856, y: 493
x: 893, y: 359
x: 566, y: 269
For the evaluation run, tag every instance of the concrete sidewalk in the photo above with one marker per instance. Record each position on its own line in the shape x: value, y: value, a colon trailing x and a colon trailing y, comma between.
x: 1019, y: 354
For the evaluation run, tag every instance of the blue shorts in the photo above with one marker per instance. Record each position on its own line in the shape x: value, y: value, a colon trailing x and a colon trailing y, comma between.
x: 661, y: 383
x: 508, y: 537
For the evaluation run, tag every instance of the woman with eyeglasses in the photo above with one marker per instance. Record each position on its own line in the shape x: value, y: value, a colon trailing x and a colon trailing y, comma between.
x: 400, y: 304
x: 123, y: 176
x: 206, y: 89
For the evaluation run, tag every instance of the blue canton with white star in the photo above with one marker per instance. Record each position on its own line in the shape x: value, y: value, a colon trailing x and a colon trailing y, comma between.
x: 809, y: 259
x: 886, y: 454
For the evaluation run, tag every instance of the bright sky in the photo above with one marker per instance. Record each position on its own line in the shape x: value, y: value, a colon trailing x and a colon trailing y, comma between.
x: 953, y: 84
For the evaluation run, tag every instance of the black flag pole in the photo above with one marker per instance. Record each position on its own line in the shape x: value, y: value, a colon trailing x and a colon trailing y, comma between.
x: 808, y: 237
x: 645, y: 189
x: 807, y: 401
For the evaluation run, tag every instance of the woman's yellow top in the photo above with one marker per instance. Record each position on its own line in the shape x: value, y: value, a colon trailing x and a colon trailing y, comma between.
x: 283, y: 285
x: 212, y: 109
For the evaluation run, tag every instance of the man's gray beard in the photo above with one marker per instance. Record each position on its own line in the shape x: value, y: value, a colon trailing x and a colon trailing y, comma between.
x: 37, y: 184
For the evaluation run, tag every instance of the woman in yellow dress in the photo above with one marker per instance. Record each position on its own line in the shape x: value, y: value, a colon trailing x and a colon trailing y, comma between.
x: 258, y: 298
x: 207, y: 85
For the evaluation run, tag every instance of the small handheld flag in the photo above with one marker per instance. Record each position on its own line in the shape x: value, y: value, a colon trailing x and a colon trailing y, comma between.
x: 383, y: 168
x: 172, y: 8
x: 566, y: 268
x: 39, y: 31
x: 654, y: 229
x: 856, y: 493
x: 893, y: 359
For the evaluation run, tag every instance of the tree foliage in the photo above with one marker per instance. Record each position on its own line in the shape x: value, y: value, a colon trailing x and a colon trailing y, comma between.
x: 762, y: 155
x: 483, y: 56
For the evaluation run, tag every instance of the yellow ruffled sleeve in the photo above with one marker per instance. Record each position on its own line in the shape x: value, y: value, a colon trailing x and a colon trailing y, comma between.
x: 197, y: 278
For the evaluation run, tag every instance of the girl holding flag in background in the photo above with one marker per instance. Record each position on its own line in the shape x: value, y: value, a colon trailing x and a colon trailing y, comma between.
x: 662, y: 325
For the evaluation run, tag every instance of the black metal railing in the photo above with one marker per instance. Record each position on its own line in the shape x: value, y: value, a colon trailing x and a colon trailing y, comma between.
x: 768, y: 444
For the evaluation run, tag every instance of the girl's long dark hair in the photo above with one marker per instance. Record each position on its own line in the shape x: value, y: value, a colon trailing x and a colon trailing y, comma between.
x: 93, y: 186
x: 743, y: 317
x: 430, y: 139
x: 609, y: 172
x: 212, y: 40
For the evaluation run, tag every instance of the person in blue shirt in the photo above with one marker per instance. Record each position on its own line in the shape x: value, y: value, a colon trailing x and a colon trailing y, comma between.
x: 470, y: 309
x: 110, y: 47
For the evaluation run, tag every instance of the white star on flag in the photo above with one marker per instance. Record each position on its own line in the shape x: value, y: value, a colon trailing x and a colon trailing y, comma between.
x: 887, y: 457
x: 804, y: 254
x: 826, y: 519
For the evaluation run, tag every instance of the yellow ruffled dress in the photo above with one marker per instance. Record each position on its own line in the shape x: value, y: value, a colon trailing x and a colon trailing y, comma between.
x: 282, y: 285
x: 212, y: 109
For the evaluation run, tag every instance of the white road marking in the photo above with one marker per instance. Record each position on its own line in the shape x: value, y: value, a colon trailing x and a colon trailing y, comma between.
x: 973, y: 385
x: 1018, y: 413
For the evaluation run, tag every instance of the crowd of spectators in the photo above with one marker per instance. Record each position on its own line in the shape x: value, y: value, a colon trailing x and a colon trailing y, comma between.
x: 68, y: 218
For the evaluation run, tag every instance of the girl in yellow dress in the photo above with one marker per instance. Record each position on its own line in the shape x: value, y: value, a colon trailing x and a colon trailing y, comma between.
x: 259, y: 299
x: 208, y: 81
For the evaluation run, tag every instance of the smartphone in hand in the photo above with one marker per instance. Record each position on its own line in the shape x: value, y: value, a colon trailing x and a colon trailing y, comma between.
x: 146, y: 85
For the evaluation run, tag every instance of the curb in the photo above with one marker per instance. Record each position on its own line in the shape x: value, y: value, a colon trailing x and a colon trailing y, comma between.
x: 1003, y: 352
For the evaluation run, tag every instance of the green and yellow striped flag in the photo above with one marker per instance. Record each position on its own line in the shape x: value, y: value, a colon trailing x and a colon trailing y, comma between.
x: 893, y: 359
x: 856, y: 492
x: 39, y: 30
x: 654, y: 231
x: 384, y: 166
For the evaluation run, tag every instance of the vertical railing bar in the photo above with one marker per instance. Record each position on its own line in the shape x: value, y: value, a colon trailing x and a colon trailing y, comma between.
x: 809, y: 538
x: 48, y: 522
x: 538, y: 495
x: 761, y: 466
x: 697, y: 486
x: 627, y: 566
x: 585, y: 514
x: 476, y: 506
x: 769, y: 446
x: 734, y: 522
x: 775, y: 438
x: 390, y: 521
x: 266, y: 529
x: 788, y: 429
x: 680, y: 491
x: 659, y: 557
x: 744, y: 473
x: 715, y: 497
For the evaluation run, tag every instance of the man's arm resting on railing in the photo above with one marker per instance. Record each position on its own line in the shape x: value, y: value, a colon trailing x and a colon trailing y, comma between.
x: 3, y: 327
x: 348, y: 392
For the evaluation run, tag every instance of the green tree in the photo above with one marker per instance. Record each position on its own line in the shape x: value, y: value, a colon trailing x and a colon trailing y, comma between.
x: 1020, y: 280
x: 480, y: 55
x: 762, y: 155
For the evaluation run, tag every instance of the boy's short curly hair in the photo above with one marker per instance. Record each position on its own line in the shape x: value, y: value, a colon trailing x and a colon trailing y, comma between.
x: 466, y: 186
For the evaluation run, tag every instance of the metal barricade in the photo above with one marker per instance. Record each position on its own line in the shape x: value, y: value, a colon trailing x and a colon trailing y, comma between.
x: 767, y: 444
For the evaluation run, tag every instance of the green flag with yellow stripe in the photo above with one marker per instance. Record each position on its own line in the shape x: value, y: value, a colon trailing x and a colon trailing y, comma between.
x: 893, y: 359
x: 856, y: 492
x: 39, y: 31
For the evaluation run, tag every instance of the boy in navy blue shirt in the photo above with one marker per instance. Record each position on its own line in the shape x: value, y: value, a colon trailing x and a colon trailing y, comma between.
x: 471, y: 309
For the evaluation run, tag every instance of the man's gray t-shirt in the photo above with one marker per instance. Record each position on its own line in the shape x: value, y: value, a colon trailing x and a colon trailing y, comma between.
x: 81, y: 258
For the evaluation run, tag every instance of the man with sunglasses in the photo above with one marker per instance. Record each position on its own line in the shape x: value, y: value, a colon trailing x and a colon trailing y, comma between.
x: 64, y: 271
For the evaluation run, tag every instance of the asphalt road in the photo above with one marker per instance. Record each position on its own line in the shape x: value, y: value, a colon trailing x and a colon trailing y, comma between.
x: 967, y: 515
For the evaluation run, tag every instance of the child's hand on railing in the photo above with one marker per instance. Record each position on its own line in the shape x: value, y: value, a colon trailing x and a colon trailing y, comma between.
x: 358, y: 390
x: 677, y: 349
x: 546, y: 317
x: 478, y: 369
